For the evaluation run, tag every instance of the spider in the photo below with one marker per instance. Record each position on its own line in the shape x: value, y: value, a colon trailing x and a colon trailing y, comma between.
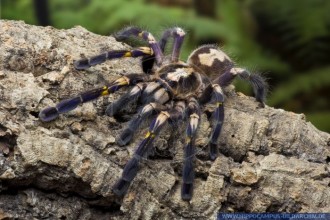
x: 170, y: 91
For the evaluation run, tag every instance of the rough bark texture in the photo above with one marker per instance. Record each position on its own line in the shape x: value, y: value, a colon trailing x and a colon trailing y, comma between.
x: 270, y: 160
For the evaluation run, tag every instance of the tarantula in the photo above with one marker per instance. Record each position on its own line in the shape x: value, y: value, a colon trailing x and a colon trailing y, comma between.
x: 170, y: 90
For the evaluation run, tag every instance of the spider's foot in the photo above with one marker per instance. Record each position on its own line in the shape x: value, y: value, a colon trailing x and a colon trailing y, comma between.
x: 262, y: 104
x: 48, y: 114
x: 125, y: 137
x: 110, y: 111
x: 81, y: 64
x: 129, y: 172
x: 187, y: 191
x: 126, y: 33
x: 213, y: 151
x: 121, y: 187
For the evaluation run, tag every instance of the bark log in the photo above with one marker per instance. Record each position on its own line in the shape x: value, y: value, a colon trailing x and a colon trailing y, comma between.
x: 270, y: 160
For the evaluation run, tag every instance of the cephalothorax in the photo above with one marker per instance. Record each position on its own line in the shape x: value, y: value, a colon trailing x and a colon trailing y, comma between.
x: 170, y: 91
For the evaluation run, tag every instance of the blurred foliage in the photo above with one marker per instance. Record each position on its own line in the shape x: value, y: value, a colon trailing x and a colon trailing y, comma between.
x: 287, y: 41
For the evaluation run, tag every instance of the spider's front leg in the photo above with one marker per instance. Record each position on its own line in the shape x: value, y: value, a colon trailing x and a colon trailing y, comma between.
x: 114, y: 54
x: 137, y: 32
x: 178, y: 36
x: 132, y: 166
x: 51, y: 113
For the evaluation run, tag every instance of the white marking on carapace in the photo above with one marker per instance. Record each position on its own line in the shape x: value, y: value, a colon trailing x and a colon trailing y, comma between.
x: 236, y: 71
x: 214, y: 54
x: 179, y: 72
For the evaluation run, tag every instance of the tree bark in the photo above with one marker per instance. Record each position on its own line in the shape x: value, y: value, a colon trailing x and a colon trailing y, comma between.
x: 270, y: 160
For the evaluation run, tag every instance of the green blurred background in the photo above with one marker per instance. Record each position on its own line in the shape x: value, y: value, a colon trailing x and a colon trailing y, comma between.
x: 287, y: 41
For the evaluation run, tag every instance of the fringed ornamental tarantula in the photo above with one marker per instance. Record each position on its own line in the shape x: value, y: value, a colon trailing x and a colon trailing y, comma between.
x: 170, y: 90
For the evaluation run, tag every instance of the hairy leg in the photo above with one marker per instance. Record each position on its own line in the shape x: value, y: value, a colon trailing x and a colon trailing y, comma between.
x: 51, y: 113
x: 132, y: 166
x: 188, y: 173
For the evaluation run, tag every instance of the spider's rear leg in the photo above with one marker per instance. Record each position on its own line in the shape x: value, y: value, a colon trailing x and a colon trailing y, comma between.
x: 137, y: 32
x: 114, y: 54
x: 257, y: 81
x: 51, y: 113
x: 188, y: 174
x: 215, y: 92
x: 132, y: 166
x: 212, y: 61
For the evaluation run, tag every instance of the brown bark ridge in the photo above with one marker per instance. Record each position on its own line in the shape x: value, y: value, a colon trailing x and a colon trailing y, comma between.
x: 270, y: 160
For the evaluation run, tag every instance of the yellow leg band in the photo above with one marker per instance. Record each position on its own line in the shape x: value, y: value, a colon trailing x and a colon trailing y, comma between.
x: 150, y: 134
x: 128, y: 54
x: 105, y: 91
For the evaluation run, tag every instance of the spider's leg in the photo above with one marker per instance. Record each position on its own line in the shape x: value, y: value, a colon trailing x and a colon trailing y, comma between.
x: 149, y: 92
x: 163, y: 40
x: 156, y: 92
x: 156, y: 95
x: 51, y: 113
x: 134, y: 123
x: 257, y: 81
x: 114, y: 54
x: 217, y: 117
x: 132, y: 166
x: 178, y: 35
x: 124, y: 100
x: 137, y: 32
x: 210, y: 60
x: 188, y: 174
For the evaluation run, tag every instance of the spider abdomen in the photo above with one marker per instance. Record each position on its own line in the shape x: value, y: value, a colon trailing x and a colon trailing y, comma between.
x: 210, y: 60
